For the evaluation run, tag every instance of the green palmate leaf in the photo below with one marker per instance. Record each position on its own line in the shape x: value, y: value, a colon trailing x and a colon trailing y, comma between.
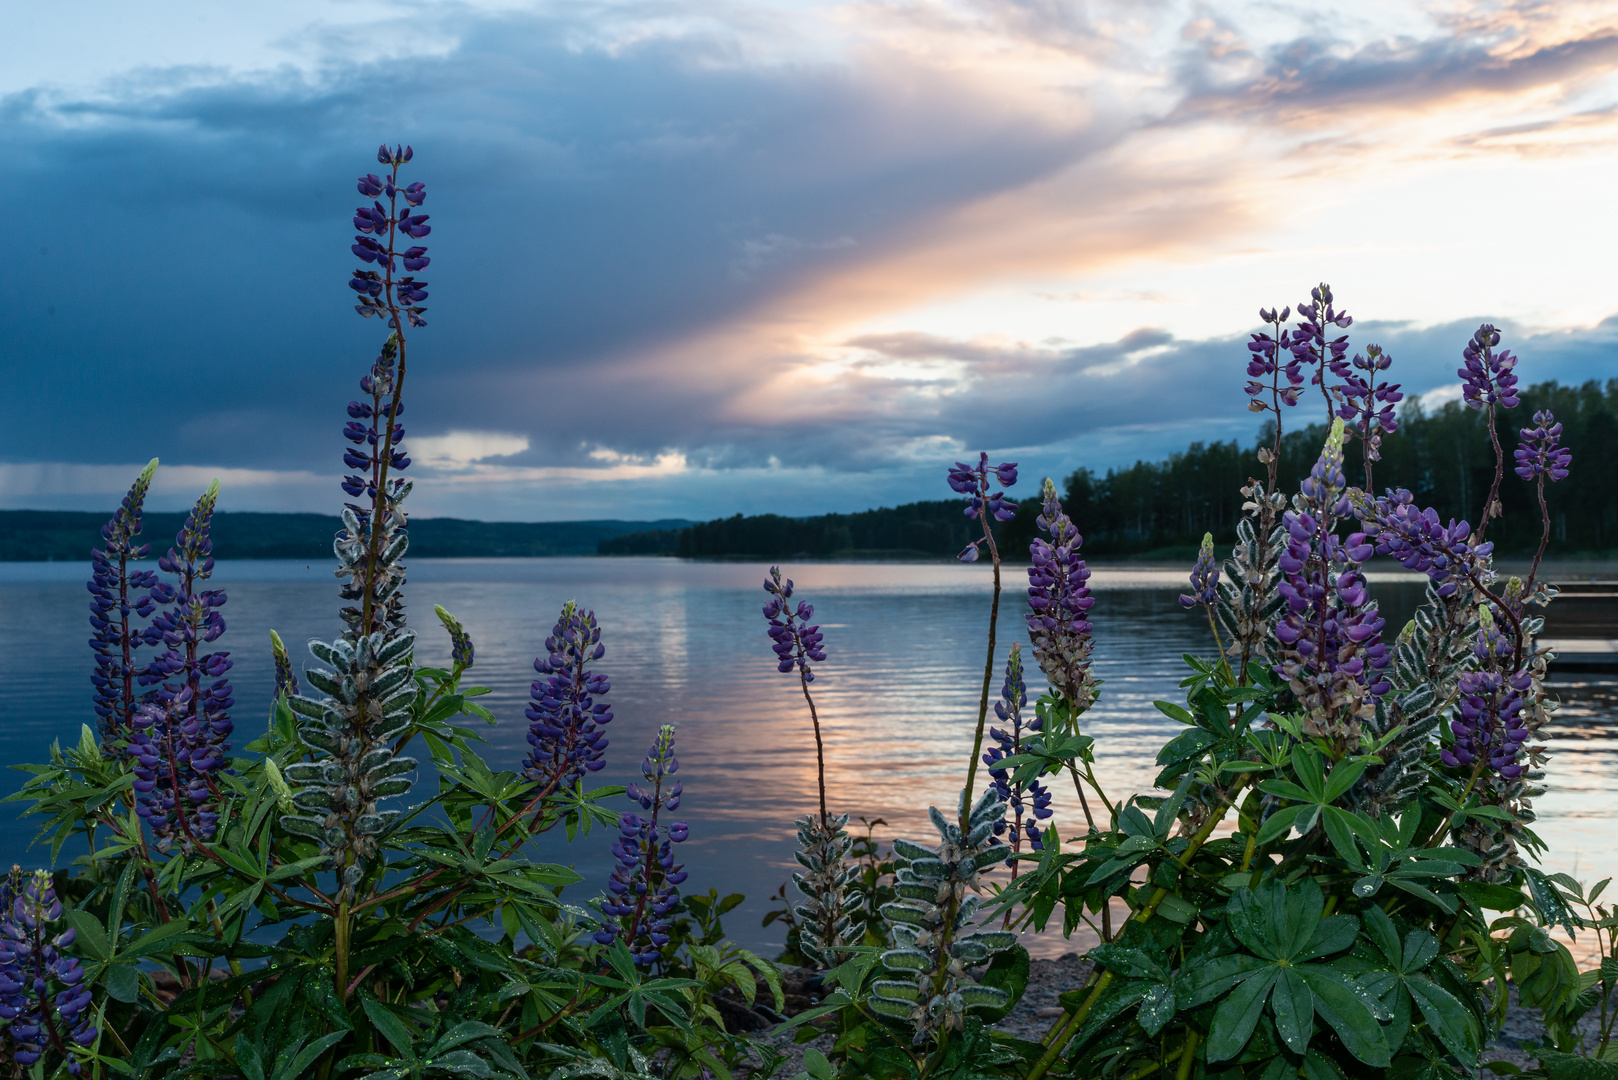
x: 1451, y: 1021
x: 1339, y: 1005
x: 1238, y: 1014
x: 1293, y: 1006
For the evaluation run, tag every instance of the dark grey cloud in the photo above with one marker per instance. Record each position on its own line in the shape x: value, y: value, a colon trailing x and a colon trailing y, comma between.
x: 1223, y: 74
x: 176, y: 252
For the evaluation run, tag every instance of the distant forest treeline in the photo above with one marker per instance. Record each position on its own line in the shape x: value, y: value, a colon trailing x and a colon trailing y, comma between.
x: 68, y: 536
x: 1164, y: 507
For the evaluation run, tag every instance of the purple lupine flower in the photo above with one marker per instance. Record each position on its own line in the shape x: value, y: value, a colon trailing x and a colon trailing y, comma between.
x: 796, y: 642
x: 380, y: 293
x: 1265, y: 361
x: 644, y: 886
x: 180, y: 736
x: 1542, y: 452
x: 1329, y: 636
x: 1489, y: 724
x: 982, y: 503
x: 286, y: 680
x: 1059, y: 596
x: 564, y: 717
x: 373, y: 444
x: 115, y: 594
x: 1367, y: 405
x: 460, y: 642
x: 1419, y: 540
x: 33, y: 960
x: 1028, y: 804
x: 1204, y: 577
x: 1310, y: 344
x: 1488, y: 378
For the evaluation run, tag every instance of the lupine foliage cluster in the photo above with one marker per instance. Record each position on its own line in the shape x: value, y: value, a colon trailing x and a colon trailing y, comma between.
x: 1334, y: 878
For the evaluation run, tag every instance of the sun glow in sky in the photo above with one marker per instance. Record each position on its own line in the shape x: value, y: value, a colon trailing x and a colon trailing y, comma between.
x: 696, y: 258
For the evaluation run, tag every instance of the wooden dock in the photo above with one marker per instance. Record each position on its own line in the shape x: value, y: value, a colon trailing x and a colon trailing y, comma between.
x: 1581, y: 624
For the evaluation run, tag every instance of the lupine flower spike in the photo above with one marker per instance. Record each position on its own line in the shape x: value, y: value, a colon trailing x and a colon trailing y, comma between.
x: 1264, y: 361
x: 33, y: 961
x: 1311, y: 346
x: 796, y: 643
x: 115, y: 595
x: 566, y: 713
x: 368, y: 683
x: 179, y: 741
x: 1367, y: 405
x: 1331, y: 651
x: 286, y: 680
x: 1488, y: 382
x: 1060, y: 602
x: 823, y: 842
x: 1029, y: 804
x: 644, y: 887
x: 983, y: 502
x: 460, y: 642
x: 1205, y: 594
x: 1541, y: 457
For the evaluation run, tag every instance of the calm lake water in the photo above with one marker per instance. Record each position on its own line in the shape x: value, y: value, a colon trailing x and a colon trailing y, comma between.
x: 686, y: 645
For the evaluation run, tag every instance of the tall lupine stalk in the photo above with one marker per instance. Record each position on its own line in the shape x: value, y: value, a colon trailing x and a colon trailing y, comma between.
x: 1205, y: 591
x: 1502, y: 701
x: 827, y: 913
x: 1541, y: 457
x: 179, y: 738
x: 644, y: 886
x: 1248, y: 604
x: 113, y: 587
x: 565, y: 713
x: 1489, y: 381
x: 1311, y: 346
x: 977, y: 482
x: 360, y: 726
x: 34, y: 961
x: 1059, y: 628
x: 1367, y: 405
x: 1028, y: 804
x: 1331, y: 651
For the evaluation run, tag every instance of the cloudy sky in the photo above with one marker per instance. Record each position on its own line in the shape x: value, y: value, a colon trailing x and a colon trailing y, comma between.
x: 694, y: 258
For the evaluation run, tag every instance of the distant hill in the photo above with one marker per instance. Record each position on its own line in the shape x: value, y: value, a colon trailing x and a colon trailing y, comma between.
x: 921, y: 530
x: 68, y: 535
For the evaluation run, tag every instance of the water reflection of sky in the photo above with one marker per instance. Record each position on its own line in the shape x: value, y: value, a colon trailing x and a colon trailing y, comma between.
x: 686, y: 645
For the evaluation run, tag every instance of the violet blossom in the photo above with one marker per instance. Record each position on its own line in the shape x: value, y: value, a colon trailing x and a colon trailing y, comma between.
x: 1419, y: 540
x: 1030, y: 803
x: 286, y: 680
x: 1489, y: 726
x: 1265, y: 361
x: 1310, y: 344
x: 1367, y: 405
x: 115, y: 593
x: 1204, y: 577
x: 33, y: 960
x: 179, y: 741
x: 644, y: 886
x: 1488, y: 377
x: 796, y: 642
x: 379, y: 228
x: 974, y: 482
x: 564, y: 716
x: 461, y: 652
x: 1059, y: 596
x: 1542, y: 453
x: 1329, y: 636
